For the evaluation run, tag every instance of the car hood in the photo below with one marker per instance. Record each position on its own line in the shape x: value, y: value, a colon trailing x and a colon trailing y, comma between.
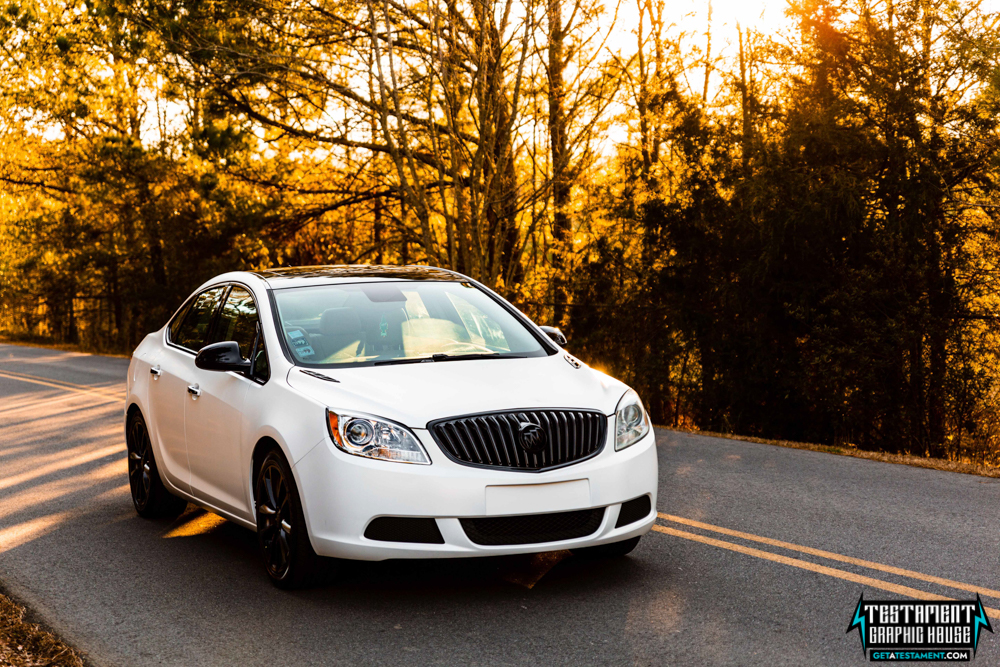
x: 415, y: 394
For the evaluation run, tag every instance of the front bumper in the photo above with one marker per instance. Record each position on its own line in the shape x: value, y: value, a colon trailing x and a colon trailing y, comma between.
x: 341, y: 494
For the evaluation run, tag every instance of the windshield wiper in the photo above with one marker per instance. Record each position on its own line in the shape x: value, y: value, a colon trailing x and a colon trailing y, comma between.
x: 476, y: 355
x: 405, y: 360
x: 448, y: 357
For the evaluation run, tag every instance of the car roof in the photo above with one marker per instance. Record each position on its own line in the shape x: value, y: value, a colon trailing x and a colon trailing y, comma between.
x: 289, y: 276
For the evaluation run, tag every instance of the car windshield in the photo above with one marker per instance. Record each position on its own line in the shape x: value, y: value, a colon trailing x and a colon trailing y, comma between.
x: 372, y: 323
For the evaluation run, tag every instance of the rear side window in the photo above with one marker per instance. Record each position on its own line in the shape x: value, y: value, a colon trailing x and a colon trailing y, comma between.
x: 193, y: 329
x: 175, y: 325
x: 238, y: 321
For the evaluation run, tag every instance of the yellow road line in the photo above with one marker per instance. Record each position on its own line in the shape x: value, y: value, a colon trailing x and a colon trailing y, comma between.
x: 813, y: 567
x: 59, y: 384
x: 835, y: 556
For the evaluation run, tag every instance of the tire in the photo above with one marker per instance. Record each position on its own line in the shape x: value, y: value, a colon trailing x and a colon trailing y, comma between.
x: 282, y: 537
x: 613, y: 550
x: 149, y: 496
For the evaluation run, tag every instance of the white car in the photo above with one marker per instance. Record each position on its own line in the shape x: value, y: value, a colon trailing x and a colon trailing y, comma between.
x: 372, y: 412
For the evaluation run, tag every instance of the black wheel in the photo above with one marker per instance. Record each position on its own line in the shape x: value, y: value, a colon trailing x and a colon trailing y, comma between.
x: 613, y: 550
x: 150, y: 498
x: 281, y: 526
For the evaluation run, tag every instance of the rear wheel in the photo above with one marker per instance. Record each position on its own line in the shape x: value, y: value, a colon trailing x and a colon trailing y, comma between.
x: 149, y: 496
x: 613, y: 550
x: 281, y: 527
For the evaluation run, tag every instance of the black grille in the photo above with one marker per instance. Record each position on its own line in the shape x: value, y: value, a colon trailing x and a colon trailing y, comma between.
x: 404, y: 529
x: 533, y: 528
x: 633, y: 510
x: 493, y: 439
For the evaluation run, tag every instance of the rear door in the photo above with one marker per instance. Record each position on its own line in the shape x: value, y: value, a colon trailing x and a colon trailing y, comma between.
x: 173, y: 371
x: 213, y: 418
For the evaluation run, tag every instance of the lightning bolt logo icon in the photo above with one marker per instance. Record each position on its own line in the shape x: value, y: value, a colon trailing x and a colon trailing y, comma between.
x: 859, y: 622
x: 981, y: 621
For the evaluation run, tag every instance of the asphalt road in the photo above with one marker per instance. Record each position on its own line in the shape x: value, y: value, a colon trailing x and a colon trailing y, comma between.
x: 129, y: 591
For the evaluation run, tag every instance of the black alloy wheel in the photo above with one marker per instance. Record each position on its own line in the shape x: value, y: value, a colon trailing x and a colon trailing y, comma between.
x: 150, y: 498
x: 281, y: 531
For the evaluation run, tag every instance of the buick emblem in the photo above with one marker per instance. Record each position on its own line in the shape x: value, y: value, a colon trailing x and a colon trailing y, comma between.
x: 533, y: 437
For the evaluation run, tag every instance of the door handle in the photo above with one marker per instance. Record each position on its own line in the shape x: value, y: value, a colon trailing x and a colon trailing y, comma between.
x: 155, y: 371
x: 194, y: 390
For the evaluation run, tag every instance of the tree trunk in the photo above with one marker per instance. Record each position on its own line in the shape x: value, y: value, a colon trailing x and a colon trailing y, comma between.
x: 561, y: 184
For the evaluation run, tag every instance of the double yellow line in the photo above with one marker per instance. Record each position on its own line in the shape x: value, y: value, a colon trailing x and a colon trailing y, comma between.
x: 821, y: 569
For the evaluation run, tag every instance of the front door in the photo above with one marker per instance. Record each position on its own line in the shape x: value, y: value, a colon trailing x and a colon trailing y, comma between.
x: 172, y: 371
x: 214, y: 414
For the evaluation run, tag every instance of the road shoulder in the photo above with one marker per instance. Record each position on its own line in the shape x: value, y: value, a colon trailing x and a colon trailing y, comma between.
x: 25, y: 641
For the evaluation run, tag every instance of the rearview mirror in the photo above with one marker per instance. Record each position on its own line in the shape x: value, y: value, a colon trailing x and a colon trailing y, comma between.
x: 556, y: 335
x: 224, y: 356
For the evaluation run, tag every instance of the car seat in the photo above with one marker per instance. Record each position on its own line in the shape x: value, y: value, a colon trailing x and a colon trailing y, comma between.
x: 340, y: 328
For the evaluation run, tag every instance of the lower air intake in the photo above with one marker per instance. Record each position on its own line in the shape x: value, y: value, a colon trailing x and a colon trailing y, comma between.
x: 634, y: 510
x: 533, y: 528
x: 404, y: 529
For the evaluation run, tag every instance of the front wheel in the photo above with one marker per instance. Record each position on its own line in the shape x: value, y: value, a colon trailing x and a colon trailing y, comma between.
x: 613, y: 550
x: 149, y: 496
x: 281, y: 527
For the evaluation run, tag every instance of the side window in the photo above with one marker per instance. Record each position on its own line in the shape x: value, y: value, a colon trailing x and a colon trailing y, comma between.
x: 193, y: 329
x: 178, y: 321
x: 238, y: 321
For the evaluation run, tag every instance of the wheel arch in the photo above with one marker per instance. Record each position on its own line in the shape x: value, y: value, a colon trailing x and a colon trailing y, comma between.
x: 265, y: 444
x: 260, y: 450
x: 133, y: 408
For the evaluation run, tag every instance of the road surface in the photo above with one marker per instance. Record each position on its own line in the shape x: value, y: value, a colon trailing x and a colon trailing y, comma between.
x: 759, y: 557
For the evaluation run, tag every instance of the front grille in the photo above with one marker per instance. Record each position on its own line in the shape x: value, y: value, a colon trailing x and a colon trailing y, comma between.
x: 633, y: 510
x: 404, y: 529
x: 494, y: 439
x: 533, y: 528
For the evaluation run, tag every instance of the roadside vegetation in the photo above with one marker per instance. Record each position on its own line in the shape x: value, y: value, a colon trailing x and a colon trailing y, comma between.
x: 24, y: 644
x: 787, y: 233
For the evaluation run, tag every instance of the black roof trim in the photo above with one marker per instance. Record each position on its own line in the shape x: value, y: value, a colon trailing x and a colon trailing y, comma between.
x: 360, y: 271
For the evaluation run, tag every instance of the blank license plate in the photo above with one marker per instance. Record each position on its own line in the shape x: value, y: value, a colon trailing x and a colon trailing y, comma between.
x: 537, y: 498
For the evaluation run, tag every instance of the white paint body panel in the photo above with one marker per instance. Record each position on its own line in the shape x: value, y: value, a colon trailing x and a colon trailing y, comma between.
x: 205, y: 445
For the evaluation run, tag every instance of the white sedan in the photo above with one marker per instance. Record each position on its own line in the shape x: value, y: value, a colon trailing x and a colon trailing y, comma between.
x: 372, y: 412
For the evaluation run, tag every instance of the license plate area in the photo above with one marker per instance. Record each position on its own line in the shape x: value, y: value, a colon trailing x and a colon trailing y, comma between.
x: 537, y: 498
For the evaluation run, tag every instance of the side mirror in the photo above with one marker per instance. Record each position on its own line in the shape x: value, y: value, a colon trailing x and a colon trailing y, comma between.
x: 556, y: 335
x: 224, y: 356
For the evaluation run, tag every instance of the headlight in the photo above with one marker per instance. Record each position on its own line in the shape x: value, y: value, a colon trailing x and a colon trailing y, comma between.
x: 374, y: 438
x: 631, y: 422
